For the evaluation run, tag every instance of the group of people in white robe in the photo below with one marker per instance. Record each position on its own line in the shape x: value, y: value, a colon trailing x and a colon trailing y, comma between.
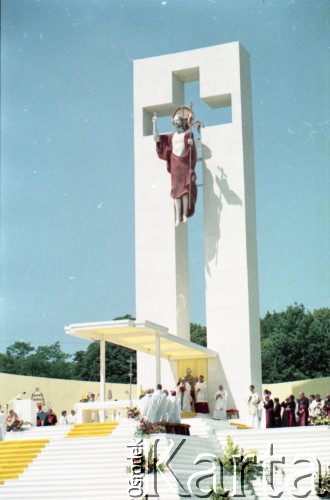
x: 160, y: 406
x: 164, y: 406
x: 197, y: 398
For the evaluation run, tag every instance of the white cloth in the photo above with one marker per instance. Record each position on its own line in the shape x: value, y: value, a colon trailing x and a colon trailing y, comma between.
x: 173, y: 410
x: 313, y: 405
x: 253, y: 409
x: 146, y: 407
x: 63, y: 420
x: 201, y: 392
x: 184, y: 397
x: 220, y: 405
x: 72, y: 418
x: 3, y: 426
x: 159, y: 406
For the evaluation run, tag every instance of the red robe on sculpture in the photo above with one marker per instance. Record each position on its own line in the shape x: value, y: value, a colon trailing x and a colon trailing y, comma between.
x: 181, y: 168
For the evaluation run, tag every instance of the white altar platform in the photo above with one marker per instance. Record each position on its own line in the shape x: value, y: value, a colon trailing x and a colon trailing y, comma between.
x: 102, y: 411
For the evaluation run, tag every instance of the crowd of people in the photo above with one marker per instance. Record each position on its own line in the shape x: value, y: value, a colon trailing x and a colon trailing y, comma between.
x: 190, y: 395
x: 269, y: 412
x: 45, y: 415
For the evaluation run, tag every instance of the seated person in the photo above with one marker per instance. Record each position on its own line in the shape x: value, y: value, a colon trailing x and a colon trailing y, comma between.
x: 51, y: 418
x: 12, y: 421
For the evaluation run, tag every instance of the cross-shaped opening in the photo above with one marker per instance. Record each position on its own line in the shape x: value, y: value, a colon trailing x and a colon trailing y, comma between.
x: 212, y: 110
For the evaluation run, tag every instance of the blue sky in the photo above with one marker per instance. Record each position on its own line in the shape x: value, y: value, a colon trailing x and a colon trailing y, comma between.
x: 67, y: 191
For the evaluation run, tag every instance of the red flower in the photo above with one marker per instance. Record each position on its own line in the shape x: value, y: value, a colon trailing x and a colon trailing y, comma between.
x: 182, y: 388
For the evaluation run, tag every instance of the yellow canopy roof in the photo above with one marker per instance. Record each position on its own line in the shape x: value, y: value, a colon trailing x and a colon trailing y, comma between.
x: 141, y: 337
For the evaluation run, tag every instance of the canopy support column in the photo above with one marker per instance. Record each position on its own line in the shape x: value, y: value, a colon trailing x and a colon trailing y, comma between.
x: 102, y: 376
x: 158, y: 375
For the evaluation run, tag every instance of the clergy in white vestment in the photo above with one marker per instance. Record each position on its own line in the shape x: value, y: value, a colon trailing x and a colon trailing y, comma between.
x: 72, y: 417
x: 316, y: 403
x: 159, y: 401
x: 173, y: 409
x: 183, y: 390
x: 262, y: 409
x: 253, y: 401
x: 145, y: 405
x: 201, y: 404
x: 220, y: 404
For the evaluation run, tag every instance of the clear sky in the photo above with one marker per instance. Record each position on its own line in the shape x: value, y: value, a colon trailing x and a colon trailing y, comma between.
x: 67, y: 190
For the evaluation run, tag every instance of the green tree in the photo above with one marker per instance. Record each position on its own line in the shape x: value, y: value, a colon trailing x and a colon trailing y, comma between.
x: 87, y: 363
x: 19, y: 350
x: 15, y: 359
x: 295, y: 344
x: 45, y: 361
x: 50, y: 361
x: 198, y: 334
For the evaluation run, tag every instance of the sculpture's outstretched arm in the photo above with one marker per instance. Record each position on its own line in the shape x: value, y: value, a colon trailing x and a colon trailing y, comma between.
x: 154, y: 128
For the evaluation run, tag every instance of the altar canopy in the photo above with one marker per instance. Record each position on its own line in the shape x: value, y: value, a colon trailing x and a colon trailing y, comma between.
x: 147, y: 337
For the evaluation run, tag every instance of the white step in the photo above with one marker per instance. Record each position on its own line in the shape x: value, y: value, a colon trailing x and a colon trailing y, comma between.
x: 88, y: 468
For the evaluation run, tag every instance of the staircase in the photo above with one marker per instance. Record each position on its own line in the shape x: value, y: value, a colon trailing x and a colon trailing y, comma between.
x: 15, y: 457
x: 97, y: 466
x: 302, y: 451
x: 92, y: 430
x: 86, y: 467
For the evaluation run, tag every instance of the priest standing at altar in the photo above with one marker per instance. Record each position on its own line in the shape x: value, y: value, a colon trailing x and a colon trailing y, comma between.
x: 201, y: 405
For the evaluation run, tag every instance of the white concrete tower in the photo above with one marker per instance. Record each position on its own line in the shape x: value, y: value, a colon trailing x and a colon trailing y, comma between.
x: 231, y: 278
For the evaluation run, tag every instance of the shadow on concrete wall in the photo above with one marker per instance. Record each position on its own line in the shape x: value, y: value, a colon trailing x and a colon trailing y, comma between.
x: 221, y: 193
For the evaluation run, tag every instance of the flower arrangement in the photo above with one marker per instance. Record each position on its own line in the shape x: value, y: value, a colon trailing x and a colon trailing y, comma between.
x: 182, y: 388
x: 235, y: 456
x: 133, y: 413
x: 151, y: 460
x: 320, y: 419
x: 221, y: 494
x: 322, y: 484
x: 145, y: 429
x: 147, y: 462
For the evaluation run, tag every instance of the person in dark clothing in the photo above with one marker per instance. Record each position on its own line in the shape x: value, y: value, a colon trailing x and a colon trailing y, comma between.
x: 51, y: 418
x: 277, y: 413
x: 303, y: 405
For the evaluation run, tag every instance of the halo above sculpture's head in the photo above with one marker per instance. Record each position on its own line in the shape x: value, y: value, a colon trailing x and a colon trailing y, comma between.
x: 186, y: 113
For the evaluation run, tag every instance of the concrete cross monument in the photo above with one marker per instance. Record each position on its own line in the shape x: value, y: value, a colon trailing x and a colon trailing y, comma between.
x: 162, y: 274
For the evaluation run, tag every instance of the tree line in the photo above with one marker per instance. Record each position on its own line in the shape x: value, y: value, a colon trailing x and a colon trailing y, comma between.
x: 295, y: 345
